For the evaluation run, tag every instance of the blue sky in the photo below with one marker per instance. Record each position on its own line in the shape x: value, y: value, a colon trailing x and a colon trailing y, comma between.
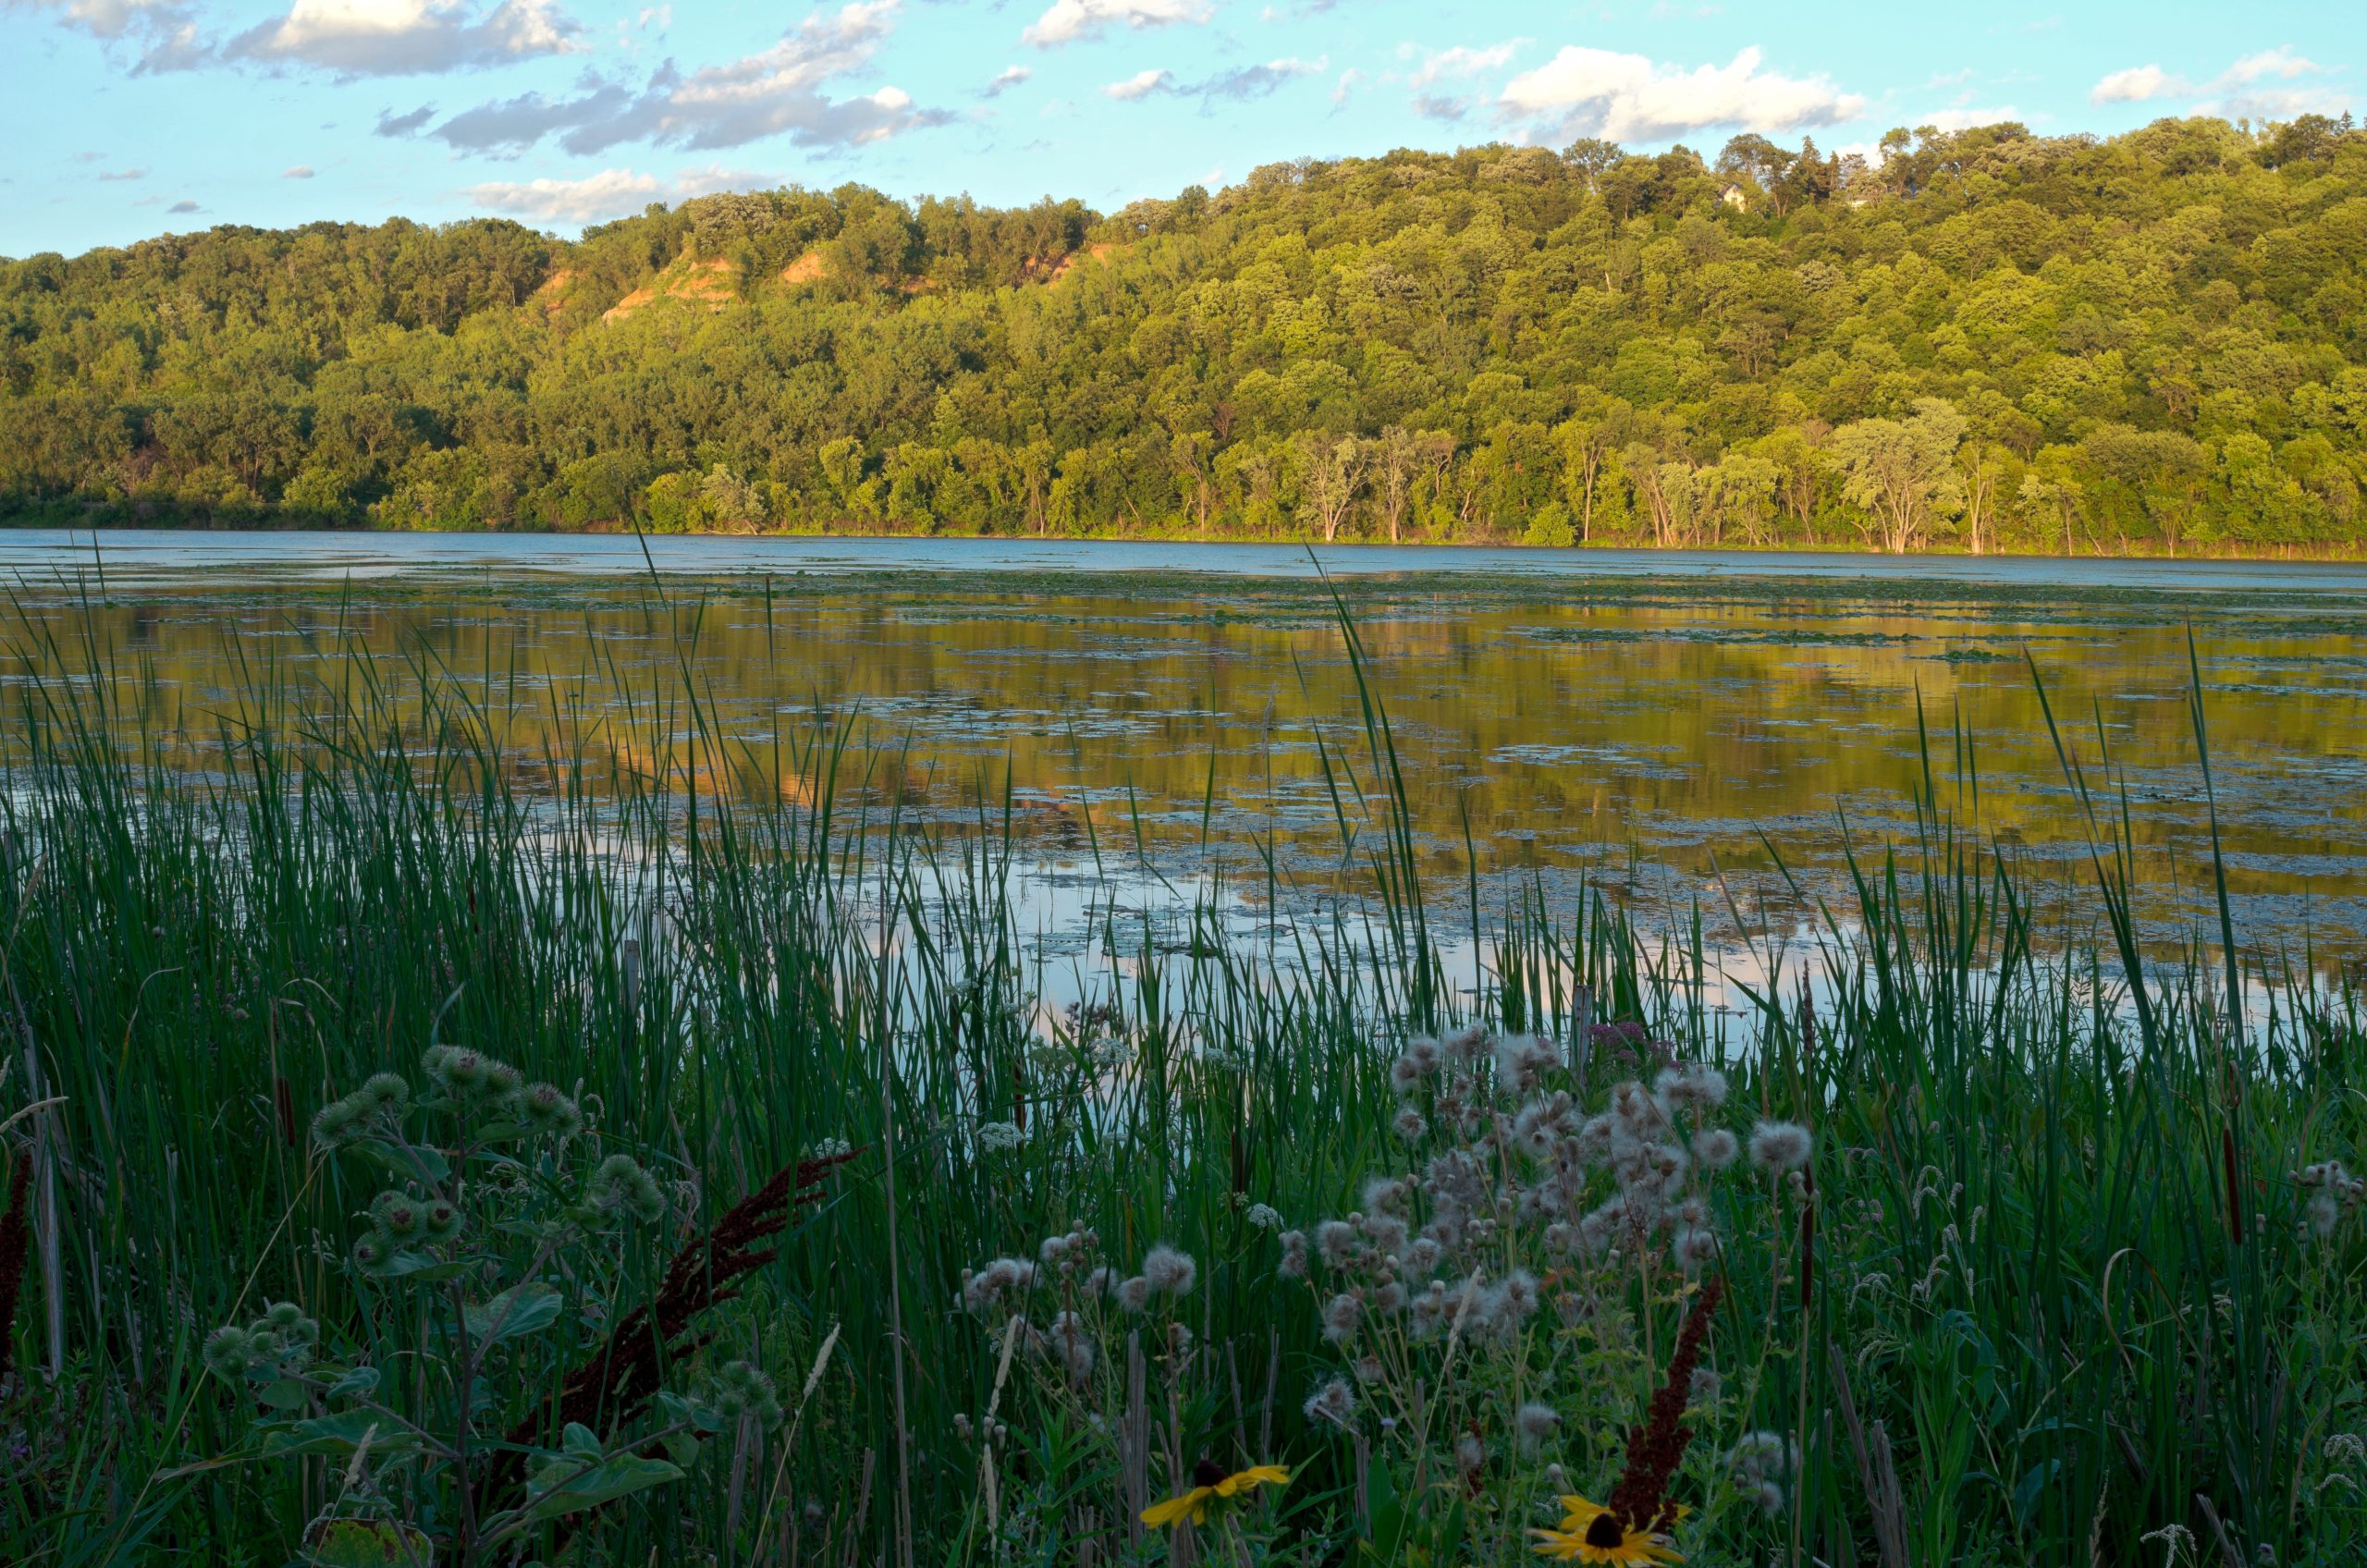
x: 124, y: 118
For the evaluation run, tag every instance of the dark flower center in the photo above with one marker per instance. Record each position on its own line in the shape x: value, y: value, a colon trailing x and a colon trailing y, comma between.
x: 1208, y: 1473
x: 1606, y: 1531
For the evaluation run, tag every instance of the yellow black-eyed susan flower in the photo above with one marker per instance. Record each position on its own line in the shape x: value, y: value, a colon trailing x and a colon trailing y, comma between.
x: 1592, y: 1533
x: 1212, y: 1485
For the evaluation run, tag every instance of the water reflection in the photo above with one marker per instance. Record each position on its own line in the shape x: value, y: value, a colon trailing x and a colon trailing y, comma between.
x: 1673, y: 740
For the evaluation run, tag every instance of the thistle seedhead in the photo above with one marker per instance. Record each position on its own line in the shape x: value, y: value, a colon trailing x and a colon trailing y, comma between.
x: 387, y: 1092
x: 398, y: 1217
x: 290, y: 1326
x: 619, y: 1183
x: 229, y: 1351
x: 548, y: 1113
x: 337, y: 1124
x: 742, y: 1390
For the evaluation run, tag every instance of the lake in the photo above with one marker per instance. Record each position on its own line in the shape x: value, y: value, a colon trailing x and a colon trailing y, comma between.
x: 1160, y: 719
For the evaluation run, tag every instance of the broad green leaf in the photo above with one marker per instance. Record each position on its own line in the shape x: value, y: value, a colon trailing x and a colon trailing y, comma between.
x: 410, y: 1165
x: 566, y: 1485
x: 284, y: 1394
x: 357, y: 1383
x: 338, y: 1434
x: 521, y: 1309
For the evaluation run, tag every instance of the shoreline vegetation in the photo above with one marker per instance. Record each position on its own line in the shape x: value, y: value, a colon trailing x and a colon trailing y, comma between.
x: 408, y: 1166
x: 2331, y: 552
x: 1987, y: 341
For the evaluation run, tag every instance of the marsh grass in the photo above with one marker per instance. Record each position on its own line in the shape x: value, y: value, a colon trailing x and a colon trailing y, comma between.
x: 2065, y: 1294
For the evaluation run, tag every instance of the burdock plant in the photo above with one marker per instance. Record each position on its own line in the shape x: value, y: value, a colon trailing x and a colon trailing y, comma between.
x: 496, y: 1256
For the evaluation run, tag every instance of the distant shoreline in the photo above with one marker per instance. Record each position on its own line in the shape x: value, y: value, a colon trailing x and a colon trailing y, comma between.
x: 1784, y: 547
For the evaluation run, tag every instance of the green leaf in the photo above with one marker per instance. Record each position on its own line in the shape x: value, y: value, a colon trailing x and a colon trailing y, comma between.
x: 284, y: 1394
x: 412, y: 1164
x: 418, y: 1269
x: 338, y: 1434
x: 359, y: 1382
x: 357, y: 1543
x: 568, y: 1484
x: 521, y: 1309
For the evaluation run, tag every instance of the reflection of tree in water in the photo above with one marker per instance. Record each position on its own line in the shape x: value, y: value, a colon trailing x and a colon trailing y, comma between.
x: 1564, y: 733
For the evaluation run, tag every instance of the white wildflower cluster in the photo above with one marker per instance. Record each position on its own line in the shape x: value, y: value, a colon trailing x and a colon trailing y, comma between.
x: 1524, y: 1199
x: 998, y: 1137
x: 1086, y: 1296
x: 1761, y: 1465
x: 830, y: 1148
x: 2334, y: 1193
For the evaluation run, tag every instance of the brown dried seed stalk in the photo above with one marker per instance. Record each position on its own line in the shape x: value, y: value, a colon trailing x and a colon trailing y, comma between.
x: 1656, y: 1445
x: 617, y: 1384
x: 16, y: 1246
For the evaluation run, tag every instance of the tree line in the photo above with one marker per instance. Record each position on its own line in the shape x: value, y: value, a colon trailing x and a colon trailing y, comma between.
x: 1983, y: 339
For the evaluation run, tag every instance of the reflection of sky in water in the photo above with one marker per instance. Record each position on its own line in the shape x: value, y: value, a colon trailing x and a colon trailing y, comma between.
x: 1648, y: 738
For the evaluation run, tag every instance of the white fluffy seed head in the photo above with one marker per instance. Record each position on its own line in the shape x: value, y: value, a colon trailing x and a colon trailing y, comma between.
x: 1715, y: 1150
x: 1334, y: 1402
x: 1779, y: 1145
x: 1293, y: 1263
x: 1170, y: 1272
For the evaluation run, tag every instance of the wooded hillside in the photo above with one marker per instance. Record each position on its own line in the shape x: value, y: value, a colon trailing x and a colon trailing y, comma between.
x: 1989, y: 339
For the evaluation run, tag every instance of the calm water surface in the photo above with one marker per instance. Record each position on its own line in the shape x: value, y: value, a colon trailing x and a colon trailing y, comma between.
x: 1666, y: 726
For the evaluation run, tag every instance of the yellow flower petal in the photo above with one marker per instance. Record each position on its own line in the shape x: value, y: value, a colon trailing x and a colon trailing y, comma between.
x: 1255, y: 1476
x: 1193, y: 1502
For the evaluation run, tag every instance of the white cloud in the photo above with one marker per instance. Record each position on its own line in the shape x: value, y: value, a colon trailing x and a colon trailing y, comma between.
x: 1254, y: 81
x: 1142, y: 84
x: 1068, y: 21
x: 1239, y: 84
x: 2280, y: 62
x: 2137, y: 84
x: 1012, y: 77
x: 1346, y: 84
x: 2272, y: 85
x: 302, y: 171
x: 1458, y: 63
x: 407, y: 37
x: 1627, y: 98
x: 609, y: 194
x: 1965, y: 119
x: 781, y: 91
x: 164, y: 31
